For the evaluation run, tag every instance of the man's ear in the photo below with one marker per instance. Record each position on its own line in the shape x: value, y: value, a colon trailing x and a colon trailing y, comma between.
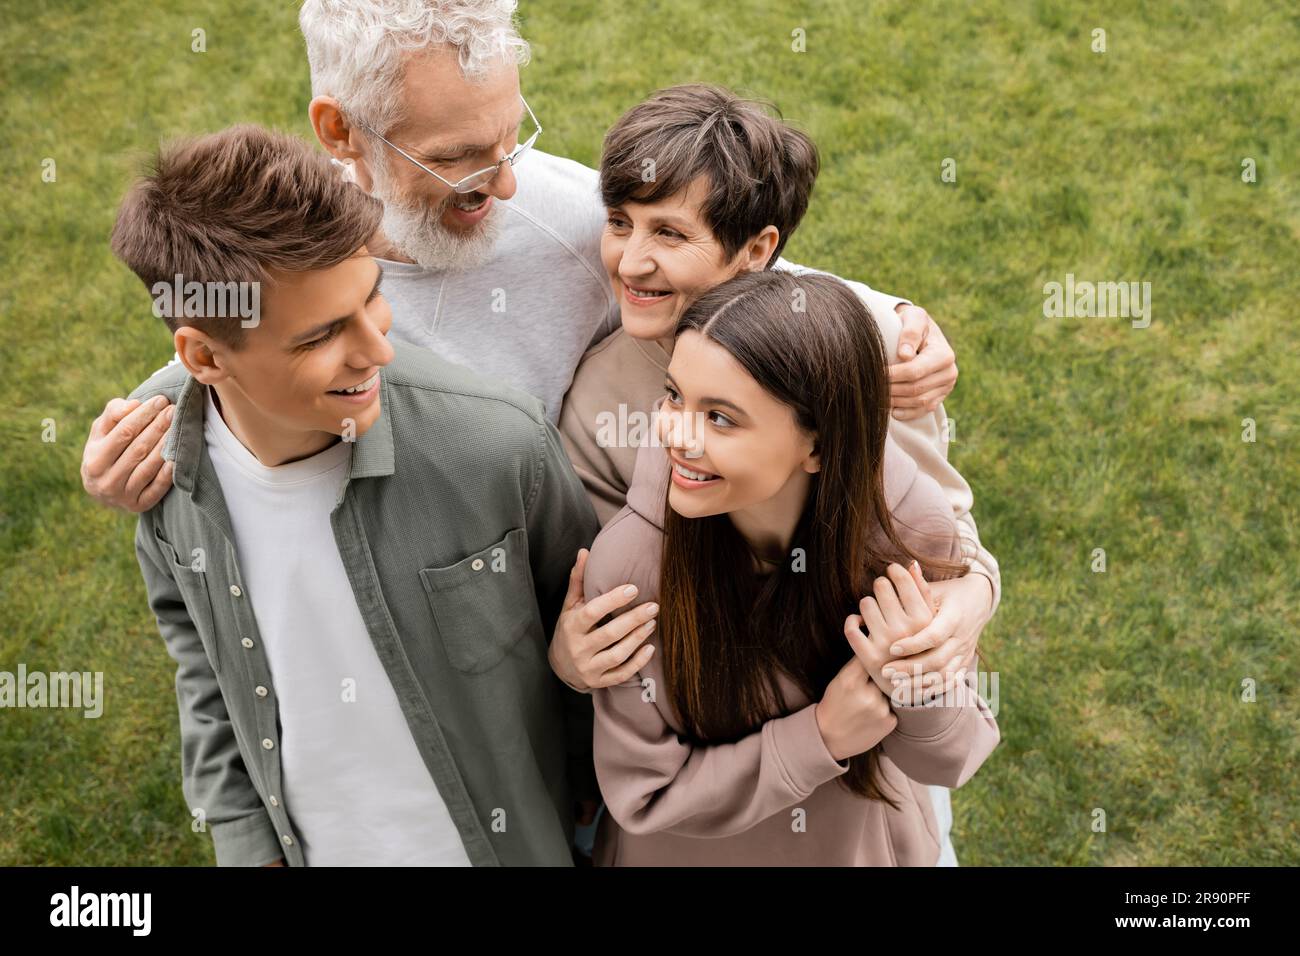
x: 759, y: 249
x: 202, y: 356
x: 332, y: 128
x: 340, y: 139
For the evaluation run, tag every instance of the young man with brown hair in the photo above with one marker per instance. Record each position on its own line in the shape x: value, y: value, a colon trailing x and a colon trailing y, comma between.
x: 366, y: 549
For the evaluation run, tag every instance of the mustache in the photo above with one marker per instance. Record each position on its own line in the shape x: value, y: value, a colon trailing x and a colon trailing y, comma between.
x: 475, y: 197
x: 431, y: 212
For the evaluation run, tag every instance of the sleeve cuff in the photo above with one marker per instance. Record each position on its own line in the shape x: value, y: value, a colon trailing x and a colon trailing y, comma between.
x: 802, y: 751
x: 246, y: 841
x: 923, y: 722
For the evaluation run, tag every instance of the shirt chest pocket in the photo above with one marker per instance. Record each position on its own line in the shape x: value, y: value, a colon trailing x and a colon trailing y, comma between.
x: 483, y: 604
x: 192, y: 580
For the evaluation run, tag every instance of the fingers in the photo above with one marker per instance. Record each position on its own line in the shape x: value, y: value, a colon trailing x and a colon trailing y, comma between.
x: 922, y: 585
x: 578, y: 643
x: 114, y: 482
x: 594, y: 610
x: 944, y: 658
x: 874, y: 620
x: 860, y: 643
x: 926, y: 380
x: 927, y: 402
x: 573, y: 597
x: 621, y: 675
x: 103, y: 454
x: 887, y: 598
x: 909, y: 595
x: 932, y: 635
x: 911, y: 393
x: 135, y: 422
x: 930, y: 695
x: 867, y: 651
x: 915, y: 329
x: 908, y: 684
x: 111, y: 415
x: 619, y: 651
x: 910, y: 414
x: 623, y: 625
x: 928, y: 682
x: 904, y: 377
x: 931, y: 367
x: 939, y: 686
x: 159, y: 487
x: 914, y: 693
x: 147, y: 470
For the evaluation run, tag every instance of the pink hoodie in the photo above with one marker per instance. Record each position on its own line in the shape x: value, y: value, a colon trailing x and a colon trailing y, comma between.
x: 771, y: 798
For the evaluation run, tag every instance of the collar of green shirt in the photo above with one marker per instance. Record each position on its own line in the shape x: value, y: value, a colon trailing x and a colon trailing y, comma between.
x: 372, y: 455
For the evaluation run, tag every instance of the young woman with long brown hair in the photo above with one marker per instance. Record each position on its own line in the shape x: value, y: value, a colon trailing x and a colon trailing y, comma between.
x: 763, y: 729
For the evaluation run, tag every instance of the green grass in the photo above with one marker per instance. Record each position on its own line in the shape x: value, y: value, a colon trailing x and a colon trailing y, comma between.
x: 1118, y: 691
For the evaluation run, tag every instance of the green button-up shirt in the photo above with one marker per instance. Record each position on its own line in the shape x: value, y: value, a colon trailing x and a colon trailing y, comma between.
x: 457, y: 526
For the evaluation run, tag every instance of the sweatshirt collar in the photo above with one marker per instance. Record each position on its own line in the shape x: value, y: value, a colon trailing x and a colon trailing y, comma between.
x: 655, y: 353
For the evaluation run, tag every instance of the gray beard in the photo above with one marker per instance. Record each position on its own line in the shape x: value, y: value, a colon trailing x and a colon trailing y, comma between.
x: 417, y: 232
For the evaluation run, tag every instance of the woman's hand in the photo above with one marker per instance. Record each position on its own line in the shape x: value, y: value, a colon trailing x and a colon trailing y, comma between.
x: 926, y: 370
x: 901, y: 606
x: 947, y: 644
x: 122, y: 464
x: 586, y: 657
x: 853, y: 715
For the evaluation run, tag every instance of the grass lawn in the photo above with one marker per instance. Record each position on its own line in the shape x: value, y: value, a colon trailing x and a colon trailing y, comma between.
x: 1120, y: 691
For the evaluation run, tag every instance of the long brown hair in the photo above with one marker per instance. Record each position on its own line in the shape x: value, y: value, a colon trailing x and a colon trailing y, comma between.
x: 727, y: 631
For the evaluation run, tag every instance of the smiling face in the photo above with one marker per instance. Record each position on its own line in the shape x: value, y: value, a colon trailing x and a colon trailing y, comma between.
x: 455, y: 126
x: 660, y: 257
x: 295, y: 379
x: 749, y: 459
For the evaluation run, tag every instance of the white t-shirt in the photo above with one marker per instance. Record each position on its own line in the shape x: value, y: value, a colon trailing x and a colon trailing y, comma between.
x: 353, y: 782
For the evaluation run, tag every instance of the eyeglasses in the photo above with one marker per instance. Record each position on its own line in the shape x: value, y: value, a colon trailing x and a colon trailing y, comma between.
x: 476, y: 180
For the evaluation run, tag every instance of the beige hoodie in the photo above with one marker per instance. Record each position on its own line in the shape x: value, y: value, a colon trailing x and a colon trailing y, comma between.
x: 771, y: 798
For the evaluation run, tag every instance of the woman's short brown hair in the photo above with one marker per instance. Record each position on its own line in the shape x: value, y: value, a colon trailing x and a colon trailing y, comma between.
x: 238, y: 206
x: 760, y: 169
